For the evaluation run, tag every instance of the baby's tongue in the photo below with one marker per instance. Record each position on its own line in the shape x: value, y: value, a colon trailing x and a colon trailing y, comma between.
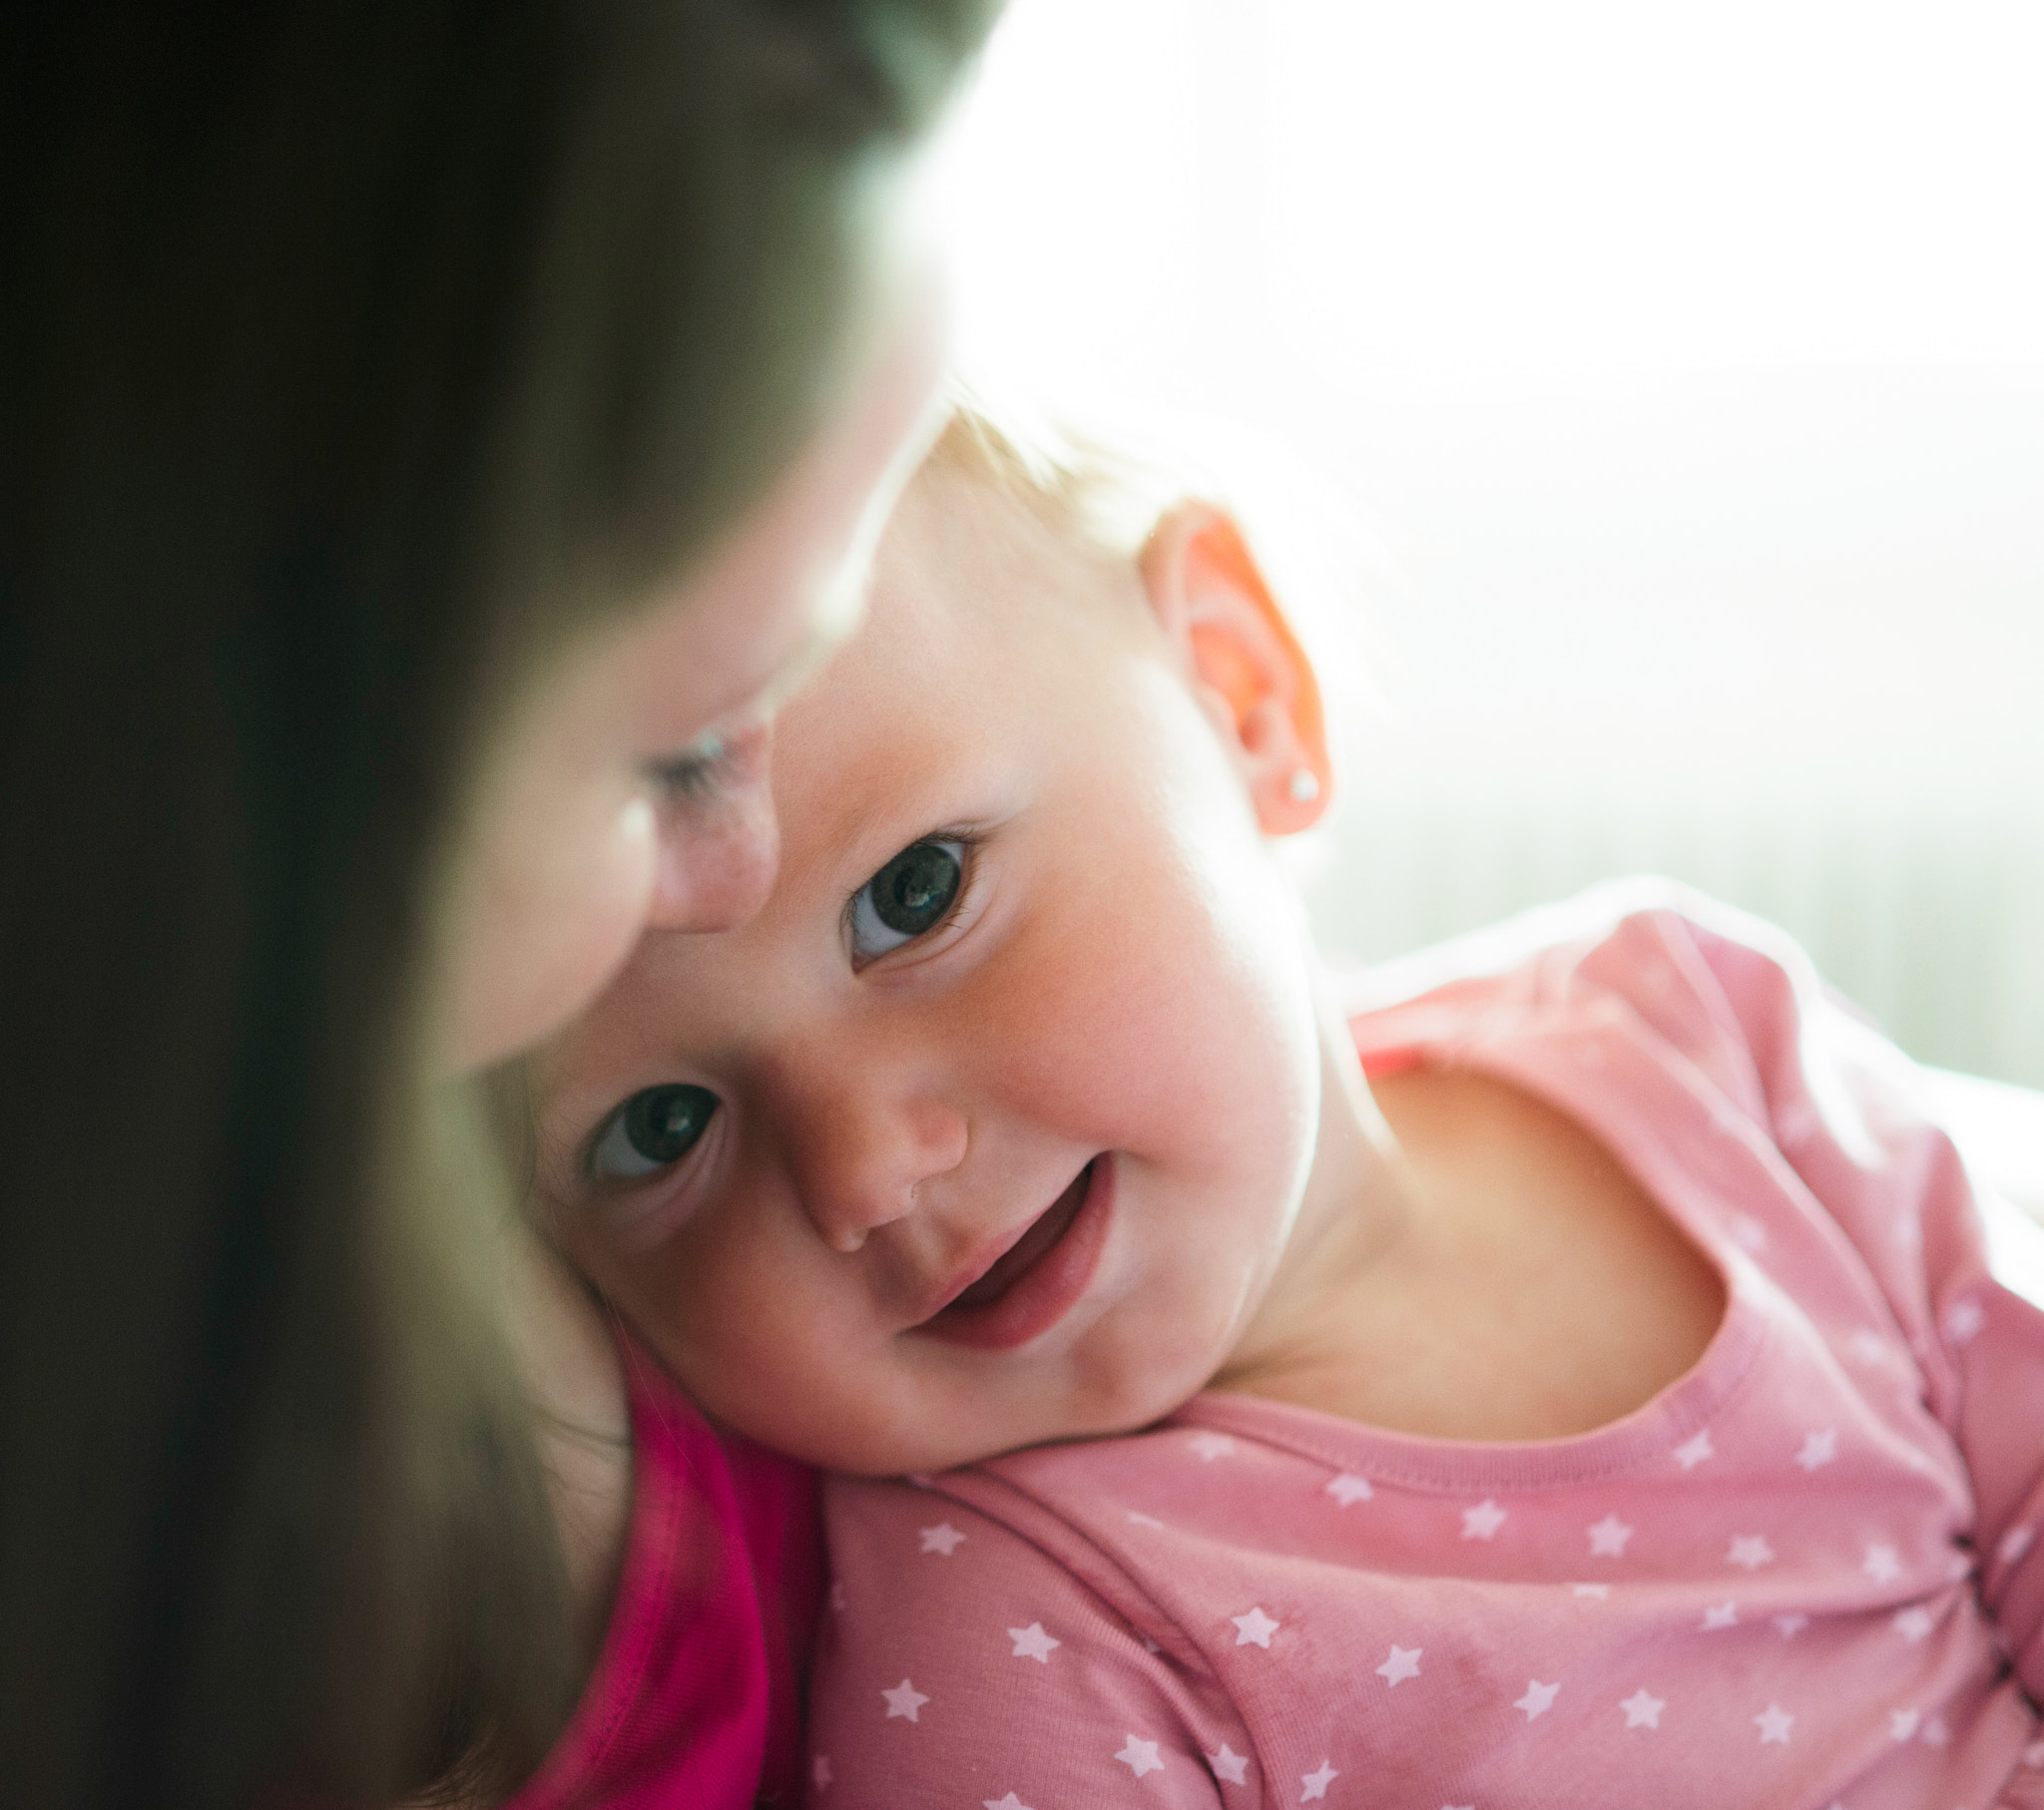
x: 1048, y: 1229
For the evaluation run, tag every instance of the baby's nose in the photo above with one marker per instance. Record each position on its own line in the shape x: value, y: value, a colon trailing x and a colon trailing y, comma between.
x: 869, y: 1157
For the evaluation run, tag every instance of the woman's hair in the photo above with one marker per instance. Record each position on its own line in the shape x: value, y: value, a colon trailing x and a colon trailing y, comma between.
x: 351, y: 354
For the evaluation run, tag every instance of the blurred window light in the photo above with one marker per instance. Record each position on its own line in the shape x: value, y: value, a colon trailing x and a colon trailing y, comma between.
x: 1483, y: 186
x: 1687, y: 361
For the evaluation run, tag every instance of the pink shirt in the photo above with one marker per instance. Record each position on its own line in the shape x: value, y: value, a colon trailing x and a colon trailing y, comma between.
x: 692, y: 1703
x: 1803, y: 1574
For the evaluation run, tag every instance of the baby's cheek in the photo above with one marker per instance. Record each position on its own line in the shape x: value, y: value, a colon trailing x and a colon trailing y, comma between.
x: 763, y: 1342
x: 1159, y: 1037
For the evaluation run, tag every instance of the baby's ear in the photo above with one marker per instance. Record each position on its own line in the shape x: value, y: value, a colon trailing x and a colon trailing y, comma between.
x: 1244, y: 663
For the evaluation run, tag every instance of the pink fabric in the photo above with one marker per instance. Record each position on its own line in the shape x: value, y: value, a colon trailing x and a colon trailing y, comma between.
x: 1803, y: 1574
x: 693, y: 1705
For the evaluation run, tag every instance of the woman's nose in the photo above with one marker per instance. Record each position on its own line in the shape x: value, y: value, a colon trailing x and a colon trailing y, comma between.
x: 865, y: 1153
x: 720, y: 851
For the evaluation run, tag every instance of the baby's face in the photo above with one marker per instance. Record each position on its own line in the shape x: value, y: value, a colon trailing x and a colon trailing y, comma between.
x: 989, y: 1128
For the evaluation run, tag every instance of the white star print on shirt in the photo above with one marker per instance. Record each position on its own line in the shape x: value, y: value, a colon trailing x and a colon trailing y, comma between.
x: 1230, y: 1767
x: 1349, y: 1487
x: 1935, y: 1733
x: 904, y: 1700
x: 1140, y: 1757
x: 1255, y: 1629
x: 1913, y: 1623
x: 1902, y: 1723
x: 1601, y: 1592
x: 1788, y: 1627
x: 1483, y: 1520
x: 1642, y: 1709
x: 1774, y: 1722
x: 1316, y: 1782
x: 1726, y: 1615
x: 1032, y: 1642
x: 1819, y: 1449
x: 1751, y: 1551
x: 1211, y: 1446
x: 943, y: 1538
x: 1402, y: 1664
x: 1010, y: 1802
x: 1539, y: 1698
x: 1881, y: 1564
x: 1693, y: 1451
x: 1608, y: 1537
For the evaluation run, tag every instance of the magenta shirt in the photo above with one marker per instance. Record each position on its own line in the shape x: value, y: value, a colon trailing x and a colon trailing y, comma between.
x: 694, y: 1702
x: 1809, y: 1574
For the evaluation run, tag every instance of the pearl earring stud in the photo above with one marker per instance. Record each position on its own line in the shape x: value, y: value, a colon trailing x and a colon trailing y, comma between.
x: 1305, y: 787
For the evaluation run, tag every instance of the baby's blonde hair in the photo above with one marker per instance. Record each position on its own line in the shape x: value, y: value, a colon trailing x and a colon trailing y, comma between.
x: 1110, y: 486
x: 1100, y: 488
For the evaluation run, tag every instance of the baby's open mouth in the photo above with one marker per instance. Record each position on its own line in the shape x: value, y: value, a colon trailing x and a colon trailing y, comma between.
x: 1017, y: 1260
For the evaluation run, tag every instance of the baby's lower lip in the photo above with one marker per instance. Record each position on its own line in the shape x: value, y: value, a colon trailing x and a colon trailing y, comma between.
x: 1019, y: 1306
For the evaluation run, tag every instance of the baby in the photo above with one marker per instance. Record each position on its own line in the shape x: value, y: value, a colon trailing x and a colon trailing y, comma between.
x: 1574, y: 1378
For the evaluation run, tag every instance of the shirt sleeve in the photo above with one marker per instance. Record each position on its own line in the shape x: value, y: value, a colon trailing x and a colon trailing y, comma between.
x: 961, y: 1665
x: 1856, y: 1120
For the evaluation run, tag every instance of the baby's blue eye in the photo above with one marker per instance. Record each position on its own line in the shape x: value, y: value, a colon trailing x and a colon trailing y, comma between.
x: 912, y: 896
x: 656, y: 1127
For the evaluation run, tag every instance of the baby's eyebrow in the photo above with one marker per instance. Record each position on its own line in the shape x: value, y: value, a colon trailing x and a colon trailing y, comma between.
x: 869, y: 834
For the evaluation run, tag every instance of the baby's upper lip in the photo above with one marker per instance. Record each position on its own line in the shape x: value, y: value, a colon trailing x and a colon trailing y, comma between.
x: 989, y: 1252
x: 985, y: 1256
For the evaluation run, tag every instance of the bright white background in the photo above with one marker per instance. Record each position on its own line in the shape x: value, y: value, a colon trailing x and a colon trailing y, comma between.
x: 1687, y: 366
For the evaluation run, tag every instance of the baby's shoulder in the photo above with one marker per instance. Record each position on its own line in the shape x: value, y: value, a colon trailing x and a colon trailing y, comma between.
x: 1648, y: 957
x: 980, y: 1624
x: 1036, y: 1521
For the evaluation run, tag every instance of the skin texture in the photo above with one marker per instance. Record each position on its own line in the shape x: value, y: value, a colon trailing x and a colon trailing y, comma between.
x: 1126, y: 980
x: 583, y: 834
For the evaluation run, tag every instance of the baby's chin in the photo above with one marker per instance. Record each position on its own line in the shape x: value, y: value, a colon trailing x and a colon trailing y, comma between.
x: 919, y: 1456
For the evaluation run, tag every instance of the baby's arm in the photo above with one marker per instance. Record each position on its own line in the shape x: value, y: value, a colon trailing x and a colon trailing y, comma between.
x: 1858, y: 1122
x: 960, y: 1663
x: 2000, y: 1132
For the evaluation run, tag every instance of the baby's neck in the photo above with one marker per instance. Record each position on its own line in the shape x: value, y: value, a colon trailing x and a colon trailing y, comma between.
x: 1471, y: 1264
